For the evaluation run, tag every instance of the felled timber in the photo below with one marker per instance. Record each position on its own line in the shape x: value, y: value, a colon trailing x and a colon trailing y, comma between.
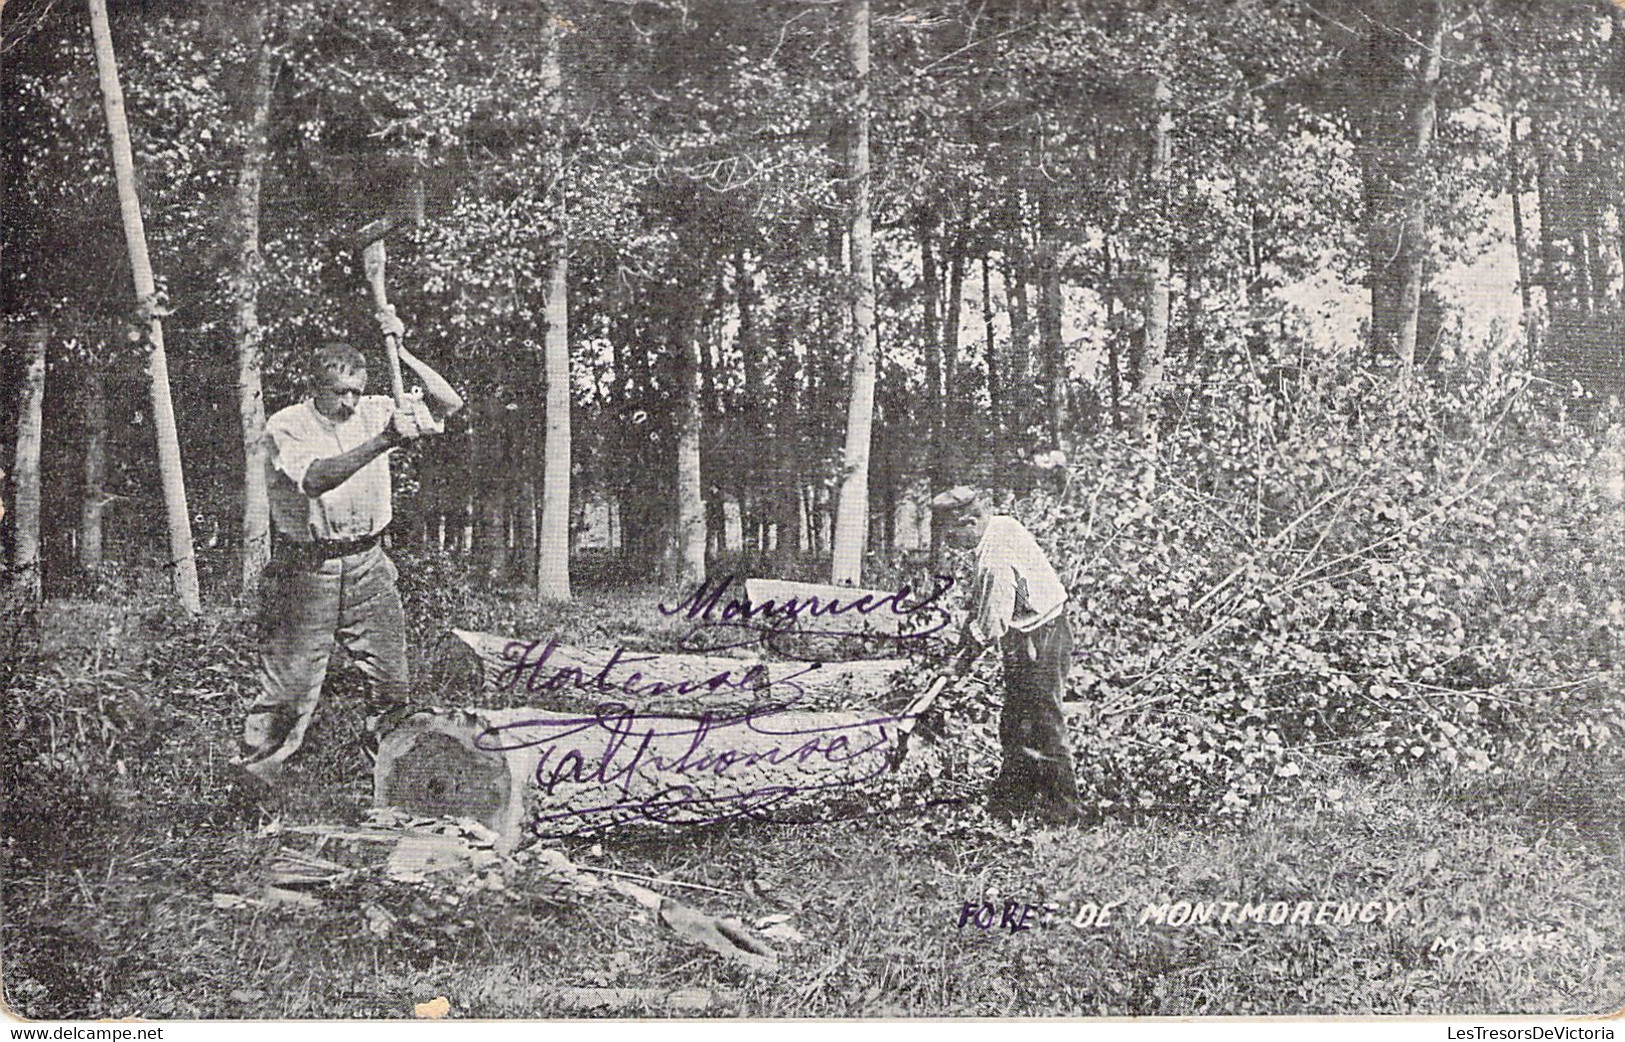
x: 547, y: 674
x: 544, y: 773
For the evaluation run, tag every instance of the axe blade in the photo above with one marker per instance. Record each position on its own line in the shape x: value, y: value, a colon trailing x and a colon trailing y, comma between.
x: 372, y: 261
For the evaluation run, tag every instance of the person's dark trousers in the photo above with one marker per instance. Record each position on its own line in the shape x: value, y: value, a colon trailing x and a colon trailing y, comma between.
x: 310, y: 603
x: 1037, y: 773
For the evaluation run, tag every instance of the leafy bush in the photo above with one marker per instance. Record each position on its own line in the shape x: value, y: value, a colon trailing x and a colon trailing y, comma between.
x: 1328, y: 576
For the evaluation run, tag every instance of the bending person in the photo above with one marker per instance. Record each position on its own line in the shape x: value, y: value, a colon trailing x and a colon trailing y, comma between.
x: 1017, y: 602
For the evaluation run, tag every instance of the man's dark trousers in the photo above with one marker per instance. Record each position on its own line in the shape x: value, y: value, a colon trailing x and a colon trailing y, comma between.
x: 1037, y: 773
x: 312, y: 602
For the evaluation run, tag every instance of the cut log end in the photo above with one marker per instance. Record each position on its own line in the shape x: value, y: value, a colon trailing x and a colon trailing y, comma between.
x: 430, y: 766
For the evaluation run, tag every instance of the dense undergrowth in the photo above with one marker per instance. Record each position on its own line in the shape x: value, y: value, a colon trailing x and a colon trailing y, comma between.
x: 1337, y: 578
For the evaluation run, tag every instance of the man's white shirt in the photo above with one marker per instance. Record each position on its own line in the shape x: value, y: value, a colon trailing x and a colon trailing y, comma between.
x: 1014, y: 586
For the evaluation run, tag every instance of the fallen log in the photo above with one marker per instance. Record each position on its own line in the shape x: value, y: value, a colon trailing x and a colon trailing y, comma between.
x: 543, y: 773
x: 551, y: 675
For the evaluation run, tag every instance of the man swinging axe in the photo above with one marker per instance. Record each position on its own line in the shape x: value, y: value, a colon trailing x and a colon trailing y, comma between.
x: 329, y: 580
x: 1017, y: 602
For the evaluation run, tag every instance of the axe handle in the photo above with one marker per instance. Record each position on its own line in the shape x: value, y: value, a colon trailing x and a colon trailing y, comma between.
x: 373, y: 261
x: 397, y: 387
x: 911, y: 717
x: 922, y: 702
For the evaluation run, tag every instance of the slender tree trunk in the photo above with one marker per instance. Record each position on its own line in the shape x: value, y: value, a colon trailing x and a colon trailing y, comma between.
x: 995, y: 396
x: 691, y: 527
x: 553, y: 564
x: 1114, y: 362
x: 953, y: 390
x: 526, y: 540
x: 490, y: 465
x: 1377, y: 146
x: 1584, y: 273
x: 26, y: 463
x: 94, y: 498
x: 846, y: 566
x: 1516, y: 189
x: 1021, y: 337
x: 930, y: 294
x: 1049, y: 323
x: 256, y: 520
x: 1602, y: 276
x: 1601, y: 273
x: 181, y: 554
x: 1194, y: 341
x: 751, y: 357
x: 714, y: 495
x: 553, y: 557
x: 1154, y: 354
x: 931, y: 291
x: 787, y: 479
x: 1021, y: 322
x: 494, y: 530
x: 1413, y: 250
x: 1549, y: 204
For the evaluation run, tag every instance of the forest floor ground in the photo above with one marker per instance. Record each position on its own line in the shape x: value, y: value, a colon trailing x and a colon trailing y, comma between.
x: 1500, y: 893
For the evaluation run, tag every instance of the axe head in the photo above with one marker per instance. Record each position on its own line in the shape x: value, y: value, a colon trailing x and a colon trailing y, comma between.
x: 372, y: 261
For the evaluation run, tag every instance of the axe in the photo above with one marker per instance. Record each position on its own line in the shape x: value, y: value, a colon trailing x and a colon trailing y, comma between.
x: 910, y: 717
x: 370, y: 240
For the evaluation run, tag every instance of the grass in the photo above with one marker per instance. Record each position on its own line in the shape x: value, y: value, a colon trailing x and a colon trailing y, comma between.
x: 110, y: 870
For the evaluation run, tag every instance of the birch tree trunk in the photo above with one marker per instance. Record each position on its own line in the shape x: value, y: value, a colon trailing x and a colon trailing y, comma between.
x: 1413, y: 253
x: 1516, y: 189
x: 256, y: 521
x: 953, y: 391
x: 995, y: 396
x: 493, y: 529
x: 691, y: 527
x: 1377, y: 146
x: 1550, y: 205
x: 787, y: 469
x: 751, y: 357
x: 1114, y: 364
x: 553, y: 542
x: 1051, y: 347
x: 1021, y: 334
x: 852, y: 510
x: 26, y: 464
x: 1599, y: 267
x: 1154, y: 355
x: 181, y: 554
x: 931, y: 330
x: 525, y: 538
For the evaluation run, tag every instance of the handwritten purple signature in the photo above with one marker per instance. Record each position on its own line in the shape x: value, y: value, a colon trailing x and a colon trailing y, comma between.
x: 768, y: 622
x: 617, y: 766
x: 530, y: 666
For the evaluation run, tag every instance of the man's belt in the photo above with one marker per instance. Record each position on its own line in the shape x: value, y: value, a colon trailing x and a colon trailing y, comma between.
x: 328, y: 549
